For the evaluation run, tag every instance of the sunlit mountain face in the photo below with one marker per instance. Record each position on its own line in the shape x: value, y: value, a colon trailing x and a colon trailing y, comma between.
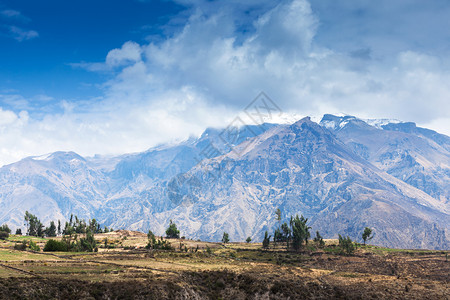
x: 343, y: 173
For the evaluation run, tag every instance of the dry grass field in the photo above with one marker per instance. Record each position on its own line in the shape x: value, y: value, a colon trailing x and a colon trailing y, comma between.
x: 123, y: 269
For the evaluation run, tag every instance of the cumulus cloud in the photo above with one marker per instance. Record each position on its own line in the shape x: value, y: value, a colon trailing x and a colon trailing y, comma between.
x: 129, y: 53
x: 280, y: 55
x: 220, y: 59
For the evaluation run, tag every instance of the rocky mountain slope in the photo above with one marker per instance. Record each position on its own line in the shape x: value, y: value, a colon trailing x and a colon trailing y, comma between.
x: 418, y: 156
x: 343, y: 174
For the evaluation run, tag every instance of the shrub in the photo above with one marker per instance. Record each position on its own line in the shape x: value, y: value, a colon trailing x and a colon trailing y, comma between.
x: 53, y: 245
x: 319, y: 240
x: 346, y: 245
x: 4, y: 235
x: 21, y: 246
x: 159, y: 244
x: 87, y: 244
x: 34, y: 247
x: 248, y: 240
x: 27, y: 245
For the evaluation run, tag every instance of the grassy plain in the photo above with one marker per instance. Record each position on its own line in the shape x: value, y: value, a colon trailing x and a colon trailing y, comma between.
x: 123, y: 269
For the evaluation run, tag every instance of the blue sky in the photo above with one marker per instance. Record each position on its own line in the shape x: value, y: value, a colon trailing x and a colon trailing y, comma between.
x: 115, y: 76
x: 65, y: 32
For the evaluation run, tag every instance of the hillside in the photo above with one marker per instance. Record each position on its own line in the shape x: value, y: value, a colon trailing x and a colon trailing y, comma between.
x: 217, y: 271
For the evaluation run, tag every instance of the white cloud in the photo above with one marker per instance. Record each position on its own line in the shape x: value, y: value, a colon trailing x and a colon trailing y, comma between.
x: 209, y: 70
x: 7, y: 117
x: 129, y: 53
x: 281, y: 58
x: 105, y: 129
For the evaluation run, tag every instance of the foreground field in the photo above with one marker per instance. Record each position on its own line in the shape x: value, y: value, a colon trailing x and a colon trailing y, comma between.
x: 214, y: 271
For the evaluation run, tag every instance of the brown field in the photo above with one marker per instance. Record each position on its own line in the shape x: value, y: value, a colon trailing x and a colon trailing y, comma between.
x: 232, y: 271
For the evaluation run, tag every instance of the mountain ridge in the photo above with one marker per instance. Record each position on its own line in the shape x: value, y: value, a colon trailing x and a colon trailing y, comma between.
x: 320, y: 164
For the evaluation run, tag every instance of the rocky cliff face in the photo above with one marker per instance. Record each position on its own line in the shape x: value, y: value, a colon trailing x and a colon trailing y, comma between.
x: 343, y: 174
x: 417, y: 156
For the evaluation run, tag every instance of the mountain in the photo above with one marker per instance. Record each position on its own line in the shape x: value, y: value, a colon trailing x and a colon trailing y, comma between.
x: 343, y: 174
x: 52, y: 187
x: 304, y: 169
x: 417, y: 156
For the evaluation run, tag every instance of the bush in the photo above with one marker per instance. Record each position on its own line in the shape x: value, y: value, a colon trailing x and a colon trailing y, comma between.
x: 27, y: 245
x: 346, y: 245
x: 53, y: 245
x: 34, y: 247
x: 4, y: 235
x: 159, y: 244
x: 86, y: 244
x: 21, y: 246
x: 319, y: 240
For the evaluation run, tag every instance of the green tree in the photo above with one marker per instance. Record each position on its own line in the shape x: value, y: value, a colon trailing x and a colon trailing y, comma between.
x: 225, y: 238
x: 150, y: 235
x: 34, y: 225
x: 172, y: 231
x: 319, y: 240
x: 59, y: 227
x: 94, y: 226
x: 88, y: 243
x: 278, y: 215
x: 286, y: 231
x: 19, y: 231
x: 300, y: 231
x: 266, y: 241
x: 346, y: 244
x: 248, y: 240
x: 51, y: 230
x: 68, y: 229
x: 5, y: 228
x: 278, y: 235
x: 367, y: 235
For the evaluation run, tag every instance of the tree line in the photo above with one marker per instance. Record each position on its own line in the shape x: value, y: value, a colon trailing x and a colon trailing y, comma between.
x: 294, y: 234
x: 74, y: 225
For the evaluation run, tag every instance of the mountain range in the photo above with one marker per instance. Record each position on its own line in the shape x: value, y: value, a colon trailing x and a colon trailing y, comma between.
x: 343, y: 174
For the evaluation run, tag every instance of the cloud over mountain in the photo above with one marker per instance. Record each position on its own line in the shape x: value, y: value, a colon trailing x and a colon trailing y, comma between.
x: 219, y: 56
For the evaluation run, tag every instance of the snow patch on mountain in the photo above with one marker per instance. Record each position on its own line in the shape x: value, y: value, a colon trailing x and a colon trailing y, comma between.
x: 379, y: 123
